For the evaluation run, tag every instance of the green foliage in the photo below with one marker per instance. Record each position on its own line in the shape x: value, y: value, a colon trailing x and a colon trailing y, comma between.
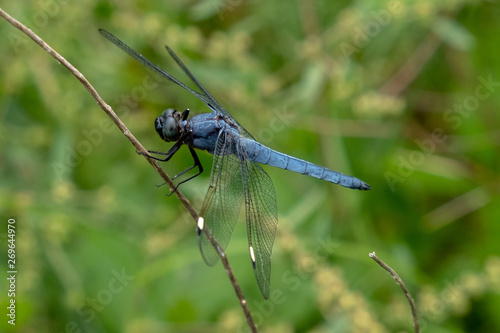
x: 403, y: 95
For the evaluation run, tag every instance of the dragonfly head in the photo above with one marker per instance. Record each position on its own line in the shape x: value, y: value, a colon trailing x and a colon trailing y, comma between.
x: 167, y: 125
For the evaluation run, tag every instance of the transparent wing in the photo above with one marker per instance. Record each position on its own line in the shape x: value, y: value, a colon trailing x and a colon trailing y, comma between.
x: 262, y: 221
x: 232, y: 176
x: 223, y: 200
x: 203, y: 96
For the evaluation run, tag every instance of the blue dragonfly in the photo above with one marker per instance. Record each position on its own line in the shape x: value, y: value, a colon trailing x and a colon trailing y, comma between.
x: 236, y: 175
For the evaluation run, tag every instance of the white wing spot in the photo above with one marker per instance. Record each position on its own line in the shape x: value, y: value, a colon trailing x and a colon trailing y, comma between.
x: 201, y: 223
x: 252, y: 255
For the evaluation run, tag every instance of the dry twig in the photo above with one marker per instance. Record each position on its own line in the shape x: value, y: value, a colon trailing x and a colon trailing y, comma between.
x: 400, y: 282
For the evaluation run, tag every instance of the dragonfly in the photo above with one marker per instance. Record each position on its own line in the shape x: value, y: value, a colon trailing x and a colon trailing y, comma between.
x: 236, y: 177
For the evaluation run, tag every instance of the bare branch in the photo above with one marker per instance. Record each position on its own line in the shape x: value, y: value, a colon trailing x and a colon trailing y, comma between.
x: 109, y: 111
x: 400, y: 282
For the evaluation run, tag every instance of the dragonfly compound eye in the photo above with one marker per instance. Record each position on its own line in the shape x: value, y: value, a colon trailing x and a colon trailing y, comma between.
x: 166, y: 125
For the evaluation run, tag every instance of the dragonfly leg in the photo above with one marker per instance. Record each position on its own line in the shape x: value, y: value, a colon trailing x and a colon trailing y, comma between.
x: 169, y: 153
x: 197, y: 163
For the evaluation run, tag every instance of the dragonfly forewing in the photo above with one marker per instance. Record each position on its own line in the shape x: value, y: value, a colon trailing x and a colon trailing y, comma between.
x: 223, y: 200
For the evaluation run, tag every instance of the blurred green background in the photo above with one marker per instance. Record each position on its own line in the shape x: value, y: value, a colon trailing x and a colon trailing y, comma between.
x: 403, y: 95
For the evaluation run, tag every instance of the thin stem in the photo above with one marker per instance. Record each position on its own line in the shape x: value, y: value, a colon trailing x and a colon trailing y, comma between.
x: 400, y: 282
x: 109, y: 111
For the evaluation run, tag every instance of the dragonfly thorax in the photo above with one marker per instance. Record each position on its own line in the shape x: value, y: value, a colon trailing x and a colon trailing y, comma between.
x: 167, y: 125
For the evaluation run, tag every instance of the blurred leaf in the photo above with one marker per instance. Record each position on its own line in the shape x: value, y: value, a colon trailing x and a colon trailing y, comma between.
x: 454, y: 34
